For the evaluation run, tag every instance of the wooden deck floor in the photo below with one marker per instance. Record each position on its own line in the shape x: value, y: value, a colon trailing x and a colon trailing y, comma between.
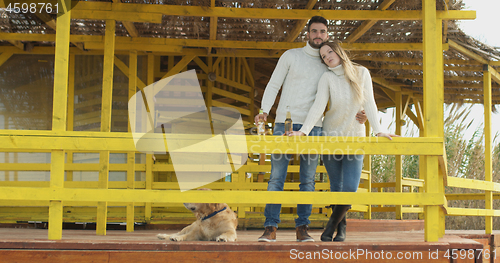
x: 31, y: 245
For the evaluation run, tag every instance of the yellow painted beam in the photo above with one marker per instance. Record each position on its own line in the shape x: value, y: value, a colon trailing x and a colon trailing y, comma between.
x: 466, y: 52
x: 386, y: 84
x: 300, y: 24
x: 146, y: 43
x: 4, y: 57
x: 233, y: 84
x: 117, y: 15
x: 243, y: 111
x: 231, y: 95
x: 179, y: 66
x: 28, y: 37
x: 234, y: 197
x: 249, y: 73
x: 478, y: 196
x: 453, y: 211
x: 139, y: 47
x: 52, y: 24
x: 103, y: 141
x: 418, y: 67
x: 201, y: 64
x: 494, y: 74
x: 366, y: 25
x: 126, y: 70
x: 17, y: 44
x: 265, y: 13
x: 131, y: 29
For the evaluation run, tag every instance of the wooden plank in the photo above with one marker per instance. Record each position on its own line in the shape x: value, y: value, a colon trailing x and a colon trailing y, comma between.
x: 234, y: 197
x: 131, y: 29
x: 300, y: 24
x: 179, y: 66
x: 265, y: 13
x: 432, y: 113
x: 116, y: 15
x: 233, y: 84
x: 366, y: 25
x: 95, y: 141
x: 4, y: 57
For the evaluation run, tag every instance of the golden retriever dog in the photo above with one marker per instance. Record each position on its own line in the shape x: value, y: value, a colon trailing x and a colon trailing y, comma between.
x: 214, y: 222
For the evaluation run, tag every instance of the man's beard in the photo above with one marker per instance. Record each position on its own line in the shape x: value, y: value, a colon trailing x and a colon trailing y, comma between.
x: 314, y: 45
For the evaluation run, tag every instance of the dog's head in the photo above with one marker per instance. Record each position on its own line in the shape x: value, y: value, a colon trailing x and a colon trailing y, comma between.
x: 201, y: 210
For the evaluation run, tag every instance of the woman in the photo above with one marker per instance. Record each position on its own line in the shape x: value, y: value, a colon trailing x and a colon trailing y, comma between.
x: 349, y: 87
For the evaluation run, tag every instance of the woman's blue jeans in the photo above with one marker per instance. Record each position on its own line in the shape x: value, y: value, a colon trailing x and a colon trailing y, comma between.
x: 279, y: 166
x: 344, y: 171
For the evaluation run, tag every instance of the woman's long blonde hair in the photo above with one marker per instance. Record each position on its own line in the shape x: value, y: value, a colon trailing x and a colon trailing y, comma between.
x: 351, y: 69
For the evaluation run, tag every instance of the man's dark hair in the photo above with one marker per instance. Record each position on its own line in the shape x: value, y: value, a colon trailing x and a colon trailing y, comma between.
x: 316, y: 19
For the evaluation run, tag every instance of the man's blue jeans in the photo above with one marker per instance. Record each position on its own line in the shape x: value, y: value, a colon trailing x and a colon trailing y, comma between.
x: 344, y: 171
x: 279, y: 166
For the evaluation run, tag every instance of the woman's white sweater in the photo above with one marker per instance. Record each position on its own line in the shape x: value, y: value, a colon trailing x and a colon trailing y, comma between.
x: 340, y: 120
x: 298, y: 71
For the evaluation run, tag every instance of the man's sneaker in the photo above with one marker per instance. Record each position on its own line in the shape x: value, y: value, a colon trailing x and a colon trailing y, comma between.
x: 269, y: 234
x: 302, y: 235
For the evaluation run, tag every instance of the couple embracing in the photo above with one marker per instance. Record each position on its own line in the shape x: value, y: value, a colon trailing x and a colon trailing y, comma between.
x: 310, y: 77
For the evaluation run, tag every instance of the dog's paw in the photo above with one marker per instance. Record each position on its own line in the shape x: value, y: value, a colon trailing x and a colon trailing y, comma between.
x: 176, y: 238
x: 225, y: 238
x: 221, y: 239
x: 162, y: 236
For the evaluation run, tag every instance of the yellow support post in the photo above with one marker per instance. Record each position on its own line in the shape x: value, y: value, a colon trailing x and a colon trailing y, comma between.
x: 398, y: 188
x: 241, y: 178
x: 59, y: 114
x: 149, y: 157
x: 433, y: 112
x: 106, y: 111
x: 210, y: 84
x: 367, y: 165
x: 132, y: 88
x: 439, y: 60
x: 488, y: 168
x: 71, y: 109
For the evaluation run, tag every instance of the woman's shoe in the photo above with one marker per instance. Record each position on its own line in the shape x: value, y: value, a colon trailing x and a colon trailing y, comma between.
x: 341, y: 231
x: 338, y: 214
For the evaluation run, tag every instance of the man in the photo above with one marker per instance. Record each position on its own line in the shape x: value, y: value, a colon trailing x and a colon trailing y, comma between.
x: 298, y: 71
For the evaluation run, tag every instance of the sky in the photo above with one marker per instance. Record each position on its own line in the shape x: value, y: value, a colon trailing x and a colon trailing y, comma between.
x: 484, y: 29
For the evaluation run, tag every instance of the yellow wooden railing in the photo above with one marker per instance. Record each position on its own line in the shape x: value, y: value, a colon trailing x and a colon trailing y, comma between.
x: 59, y: 193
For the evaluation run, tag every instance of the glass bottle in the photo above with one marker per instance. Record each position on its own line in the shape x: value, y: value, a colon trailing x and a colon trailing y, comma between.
x: 261, y: 125
x: 288, y: 121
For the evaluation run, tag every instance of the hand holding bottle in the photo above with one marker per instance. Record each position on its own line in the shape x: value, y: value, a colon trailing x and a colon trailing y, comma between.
x: 259, y: 116
x: 296, y: 133
x: 261, y: 123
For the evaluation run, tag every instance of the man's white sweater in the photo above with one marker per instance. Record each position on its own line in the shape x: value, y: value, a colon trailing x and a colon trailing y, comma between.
x: 340, y: 120
x: 298, y: 71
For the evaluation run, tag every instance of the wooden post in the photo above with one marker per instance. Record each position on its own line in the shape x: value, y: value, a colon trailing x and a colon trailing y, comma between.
x: 399, y: 160
x: 132, y: 88
x: 149, y: 157
x: 59, y: 114
x: 71, y: 109
x: 106, y: 111
x: 488, y: 166
x: 367, y: 165
x: 433, y: 112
